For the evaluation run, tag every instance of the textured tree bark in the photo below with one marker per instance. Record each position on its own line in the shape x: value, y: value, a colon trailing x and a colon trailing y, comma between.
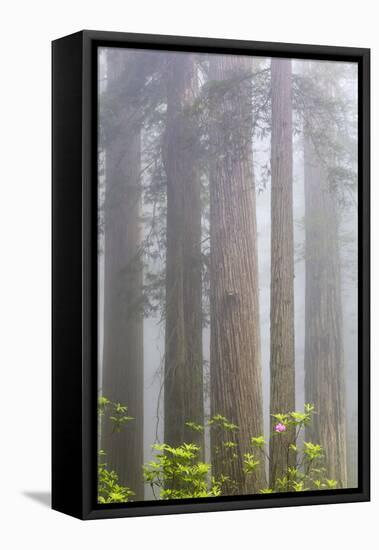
x: 282, y: 340
x: 235, y: 363
x: 324, y: 362
x: 183, y: 381
x: 123, y: 318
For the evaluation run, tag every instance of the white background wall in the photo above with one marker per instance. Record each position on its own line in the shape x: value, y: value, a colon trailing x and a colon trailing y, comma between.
x: 27, y: 29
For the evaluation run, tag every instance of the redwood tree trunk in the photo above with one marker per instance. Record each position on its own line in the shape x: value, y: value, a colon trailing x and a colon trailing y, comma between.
x: 324, y: 363
x: 282, y: 348
x: 235, y: 363
x: 183, y: 382
x: 123, y: 319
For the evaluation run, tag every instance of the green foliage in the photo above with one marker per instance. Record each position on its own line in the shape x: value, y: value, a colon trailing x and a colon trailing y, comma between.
x: 312, y: 451
x: 102, y: 404
x: 194, y: 426
x: 308, y: 472
x: 331, y: 483
x: 296, y: 418
x: 177, y: 472
x: 230, y: 444
x: 115, y: 411
x: 258, y: 442
x: 108, y: 488
x: 250, y: 463
x: 219, y: 421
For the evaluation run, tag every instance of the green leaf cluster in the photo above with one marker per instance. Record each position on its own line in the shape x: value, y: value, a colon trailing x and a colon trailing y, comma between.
x: 178, y: 472
x: 308, y: 472
x: 116, y: 412
x: 108, y: 488
x: 296, y: 418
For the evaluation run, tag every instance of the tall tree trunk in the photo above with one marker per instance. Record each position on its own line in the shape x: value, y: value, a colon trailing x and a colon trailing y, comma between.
x: 324, y: 362
x: 235, y: 362
x: 183, y: 382
x: 282, y: 340
x: 123, y: 319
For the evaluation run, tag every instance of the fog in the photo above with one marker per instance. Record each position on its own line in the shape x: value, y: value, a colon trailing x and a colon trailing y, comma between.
x: 153, y: 221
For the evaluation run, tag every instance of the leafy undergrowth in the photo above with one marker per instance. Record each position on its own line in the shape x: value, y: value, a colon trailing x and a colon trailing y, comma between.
x: 179, y: 472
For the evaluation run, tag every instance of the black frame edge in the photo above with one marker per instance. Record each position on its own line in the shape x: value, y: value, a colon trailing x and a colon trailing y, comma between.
x: 364, y: 217
x: 67, y: 421
x: 235, y: 46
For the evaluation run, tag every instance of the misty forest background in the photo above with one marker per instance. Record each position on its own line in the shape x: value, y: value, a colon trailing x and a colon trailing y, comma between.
x: 227, y: 265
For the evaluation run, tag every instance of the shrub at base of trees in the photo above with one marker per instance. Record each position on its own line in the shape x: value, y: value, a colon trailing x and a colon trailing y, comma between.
x: 177, y: 472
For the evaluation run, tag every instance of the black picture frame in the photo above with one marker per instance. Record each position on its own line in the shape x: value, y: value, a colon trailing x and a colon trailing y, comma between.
x: 74, y: 273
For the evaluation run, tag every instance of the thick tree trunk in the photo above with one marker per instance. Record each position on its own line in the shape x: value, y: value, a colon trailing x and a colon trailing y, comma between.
x: 235, y: 363
x: 282, y: 340
x: 324, y: 362
x: 183, y: 381
x: 123, y: 319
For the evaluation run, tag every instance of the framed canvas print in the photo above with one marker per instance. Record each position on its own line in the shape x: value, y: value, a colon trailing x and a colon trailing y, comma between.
x: 210, y: 274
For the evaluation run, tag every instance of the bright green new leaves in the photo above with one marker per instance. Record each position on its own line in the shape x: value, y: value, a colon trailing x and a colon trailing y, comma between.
x: 108, y: 488
x: 219, y: 421
x: 177, y: 472
x: 258, y: 442
x: 250, y: 463
x: 116, y: 411
x: 102, y: 404
x: 195, y: 427
x: 312, y: 451
x: 331, y: 483
x: 296, y: 418
x: 308, y: 473
x: 230, y: 445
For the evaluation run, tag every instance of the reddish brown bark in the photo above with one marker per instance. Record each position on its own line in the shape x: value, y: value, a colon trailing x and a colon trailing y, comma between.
x: 282, y: 340
x: 183, y: 381
x: 235, y: 363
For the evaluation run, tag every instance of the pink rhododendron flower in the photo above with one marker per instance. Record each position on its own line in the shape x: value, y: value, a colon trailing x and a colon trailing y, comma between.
x: 279, y: 428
